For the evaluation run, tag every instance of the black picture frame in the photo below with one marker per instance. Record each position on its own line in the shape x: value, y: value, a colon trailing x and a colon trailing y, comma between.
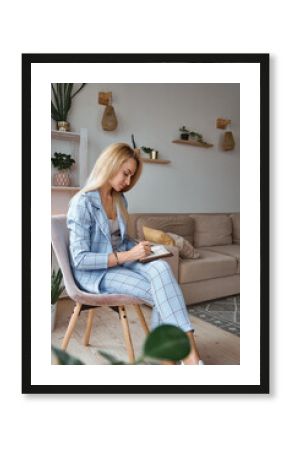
x: 259, y: 59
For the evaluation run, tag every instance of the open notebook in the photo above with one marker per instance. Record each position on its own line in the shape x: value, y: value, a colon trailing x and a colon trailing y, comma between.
x: 157, y: 251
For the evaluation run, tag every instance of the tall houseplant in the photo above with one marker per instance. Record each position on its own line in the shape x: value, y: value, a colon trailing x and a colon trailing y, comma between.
x: 62, y: 95
x: 56, y: 290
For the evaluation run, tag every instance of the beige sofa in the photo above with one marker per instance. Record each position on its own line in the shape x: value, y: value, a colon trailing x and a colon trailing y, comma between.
x: 216, y: 237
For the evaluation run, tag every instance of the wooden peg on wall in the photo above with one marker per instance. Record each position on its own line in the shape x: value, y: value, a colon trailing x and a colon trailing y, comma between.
x: 222, y: 123
x: 105, y: 98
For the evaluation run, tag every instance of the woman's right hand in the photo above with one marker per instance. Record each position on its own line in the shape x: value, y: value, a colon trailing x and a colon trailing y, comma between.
x: 140, y: 250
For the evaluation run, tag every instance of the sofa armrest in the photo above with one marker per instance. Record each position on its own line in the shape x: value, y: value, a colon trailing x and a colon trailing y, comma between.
x: 173, y: 261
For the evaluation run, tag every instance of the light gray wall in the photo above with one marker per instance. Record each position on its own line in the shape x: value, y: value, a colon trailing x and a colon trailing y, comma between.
x: 200, y: 180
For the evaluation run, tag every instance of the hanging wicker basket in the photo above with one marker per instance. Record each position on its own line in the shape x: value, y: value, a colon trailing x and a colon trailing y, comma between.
x: 229, y: 143
x: 109, y: 121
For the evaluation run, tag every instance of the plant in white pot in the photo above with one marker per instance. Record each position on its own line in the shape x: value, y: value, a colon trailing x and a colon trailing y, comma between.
x: 56, y: 290
x: 63, y: 163
x: 62, y: 95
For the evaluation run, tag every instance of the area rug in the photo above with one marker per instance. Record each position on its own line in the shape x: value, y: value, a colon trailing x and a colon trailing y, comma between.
x: 223, y: 313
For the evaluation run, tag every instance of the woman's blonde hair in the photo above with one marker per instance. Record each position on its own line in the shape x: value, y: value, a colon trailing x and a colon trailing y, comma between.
x: 106, y: 167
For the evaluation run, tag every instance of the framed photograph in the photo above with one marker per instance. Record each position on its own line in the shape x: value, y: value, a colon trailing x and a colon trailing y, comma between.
x: 200, y: 123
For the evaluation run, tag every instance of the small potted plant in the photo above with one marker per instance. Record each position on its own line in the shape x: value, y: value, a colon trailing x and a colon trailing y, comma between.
x: 195, y: 136
x: 56, y: 291
x: 62, y: 95
x: 184, y: 133
x: 153, y: 154
x: 63, y: 163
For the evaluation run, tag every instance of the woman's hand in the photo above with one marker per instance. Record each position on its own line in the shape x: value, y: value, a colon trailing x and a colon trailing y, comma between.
x: 140, y: 251
x: 136, y: 253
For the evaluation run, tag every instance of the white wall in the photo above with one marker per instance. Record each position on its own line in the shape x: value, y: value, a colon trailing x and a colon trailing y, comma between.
x: 201, y: 180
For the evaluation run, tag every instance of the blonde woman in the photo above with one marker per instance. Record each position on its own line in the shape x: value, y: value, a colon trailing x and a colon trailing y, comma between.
x: 105, y: 260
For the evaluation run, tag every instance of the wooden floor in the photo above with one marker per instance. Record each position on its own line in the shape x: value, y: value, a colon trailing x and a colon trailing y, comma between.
x: 216, y: 346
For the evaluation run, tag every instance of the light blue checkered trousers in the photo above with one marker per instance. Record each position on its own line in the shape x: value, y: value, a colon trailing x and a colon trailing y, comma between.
x: 155, y: 283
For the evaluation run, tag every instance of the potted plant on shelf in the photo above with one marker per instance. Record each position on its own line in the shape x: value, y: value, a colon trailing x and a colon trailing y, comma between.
x: 56, y: 291
x: 184, y: 133
x: 62, y: 95
x: 195, y: 136
x: 153, y: 154
x: 63, y: 163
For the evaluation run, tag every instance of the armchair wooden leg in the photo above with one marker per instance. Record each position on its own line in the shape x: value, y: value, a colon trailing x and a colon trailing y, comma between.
x: 88, y: 330
x: 142, y: 318
x: 71, y: 326
x: 126, y: 332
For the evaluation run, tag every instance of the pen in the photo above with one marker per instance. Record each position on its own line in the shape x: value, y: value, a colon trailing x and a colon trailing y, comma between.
x: 138, y: 242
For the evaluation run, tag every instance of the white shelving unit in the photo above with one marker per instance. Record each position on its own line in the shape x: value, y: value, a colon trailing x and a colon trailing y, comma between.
x: 75, y: 144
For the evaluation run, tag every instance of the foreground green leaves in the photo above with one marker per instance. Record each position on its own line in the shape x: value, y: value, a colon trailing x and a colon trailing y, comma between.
x: 63, y: 358
x: 166, y: 342
x: 56, y: 287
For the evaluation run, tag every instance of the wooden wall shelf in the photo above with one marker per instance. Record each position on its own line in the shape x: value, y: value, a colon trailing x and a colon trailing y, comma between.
x: 156, y: 161
x: 191, y: 142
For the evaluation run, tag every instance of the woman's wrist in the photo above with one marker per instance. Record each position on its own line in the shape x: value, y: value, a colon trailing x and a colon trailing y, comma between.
x: 124, y: 257
x: 117, y: 258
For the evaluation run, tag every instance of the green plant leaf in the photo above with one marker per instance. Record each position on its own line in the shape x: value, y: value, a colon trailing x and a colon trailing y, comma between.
x: 111, y: 358
x: 167, y: 342
x: 62, y: 161
x: 147, y: 149
x: 78, y: 90
x: 133, y: 141
x: 56, y: 288
x: 64, y: 358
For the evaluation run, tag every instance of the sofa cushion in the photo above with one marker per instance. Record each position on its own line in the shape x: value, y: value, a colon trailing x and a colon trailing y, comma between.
x: 230, y: 250
x: 236, y: 227
x: 158, y: 236
x: 212, y: 229
x: 183, y: 225
x: 186, y: 250
x: 209, y: 265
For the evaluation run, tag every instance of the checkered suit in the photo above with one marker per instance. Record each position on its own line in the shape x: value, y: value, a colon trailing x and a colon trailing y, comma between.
x: 90, y: 245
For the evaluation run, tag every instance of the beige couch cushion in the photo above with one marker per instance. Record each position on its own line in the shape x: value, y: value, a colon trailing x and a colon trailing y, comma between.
x: 209, y: 265
x: 183, y: 225
x: 215, y: 229
x: 236, y: 228
x: 229, y: 250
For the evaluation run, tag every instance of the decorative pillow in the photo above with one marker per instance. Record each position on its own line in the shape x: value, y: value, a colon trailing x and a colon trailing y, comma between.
x: 158, y: 236
x: 186, y: 250
x: 180, y: 224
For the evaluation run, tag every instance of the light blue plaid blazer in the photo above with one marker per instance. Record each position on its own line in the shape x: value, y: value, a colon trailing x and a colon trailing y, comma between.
x: 90, y: 239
